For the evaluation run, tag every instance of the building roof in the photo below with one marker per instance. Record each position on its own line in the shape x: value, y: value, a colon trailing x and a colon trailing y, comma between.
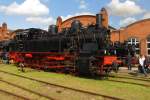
x: 137, y: 22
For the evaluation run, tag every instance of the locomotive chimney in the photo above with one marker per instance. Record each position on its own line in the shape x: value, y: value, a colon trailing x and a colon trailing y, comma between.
x: 59, y: 24
x: 102, y: 19
x: 98, y: 20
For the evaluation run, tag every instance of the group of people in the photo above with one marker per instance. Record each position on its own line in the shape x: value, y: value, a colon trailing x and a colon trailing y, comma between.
x: 143, y: 63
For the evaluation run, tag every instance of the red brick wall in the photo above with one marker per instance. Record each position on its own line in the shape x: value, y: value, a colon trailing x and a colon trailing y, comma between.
x: 115, y: 36
x: 139, y: 30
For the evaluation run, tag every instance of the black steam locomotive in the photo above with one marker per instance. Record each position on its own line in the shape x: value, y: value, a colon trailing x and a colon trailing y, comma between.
x: 82, y: 50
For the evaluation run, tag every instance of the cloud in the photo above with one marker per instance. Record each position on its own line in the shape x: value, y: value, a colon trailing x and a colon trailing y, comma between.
x: 83, y: 4
x: 127, y: 21
x: 126, y: 8
x: 28, y: 8
x: 41, y: 20
x: 77, y: 14
x: 146, y: 15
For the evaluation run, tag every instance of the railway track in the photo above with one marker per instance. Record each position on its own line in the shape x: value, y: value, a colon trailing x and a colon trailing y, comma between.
x: 139, y: 84
x: 127, y: 77
x: 14, y: 95
x: 122, y: 79
x: 60, y: 86
x: 28, y: 90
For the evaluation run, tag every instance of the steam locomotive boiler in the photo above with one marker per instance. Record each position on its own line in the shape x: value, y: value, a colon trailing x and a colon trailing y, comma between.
x: 81, y: 50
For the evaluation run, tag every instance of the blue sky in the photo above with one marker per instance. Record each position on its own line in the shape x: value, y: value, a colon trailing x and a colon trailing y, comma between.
x: 41, y: 13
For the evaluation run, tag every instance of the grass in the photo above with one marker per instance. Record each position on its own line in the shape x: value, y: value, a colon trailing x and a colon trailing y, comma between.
x: 4, y: 96
x: 120, y: 90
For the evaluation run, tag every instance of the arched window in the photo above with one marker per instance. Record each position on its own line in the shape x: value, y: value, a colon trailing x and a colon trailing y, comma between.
x: 135, y: 41
x: 148, y: 45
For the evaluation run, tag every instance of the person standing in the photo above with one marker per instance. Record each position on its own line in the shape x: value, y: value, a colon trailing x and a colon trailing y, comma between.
x: 147, y: 64
x: 129, y: 58
x: 142, y: 65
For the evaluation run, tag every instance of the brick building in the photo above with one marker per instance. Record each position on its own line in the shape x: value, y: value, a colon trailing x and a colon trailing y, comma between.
x: 137, y: 33
x: 85, y: 20
x: 5, y: 34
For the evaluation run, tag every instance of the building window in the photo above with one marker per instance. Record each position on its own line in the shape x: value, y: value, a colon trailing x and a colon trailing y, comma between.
x: 135, y: 41
x: 148, y: 45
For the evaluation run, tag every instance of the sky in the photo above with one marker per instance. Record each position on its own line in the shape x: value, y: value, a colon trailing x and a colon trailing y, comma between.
x: 20, y: 14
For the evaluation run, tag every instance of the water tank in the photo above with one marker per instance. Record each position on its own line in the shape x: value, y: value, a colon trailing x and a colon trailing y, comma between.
x: 53, y: 29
